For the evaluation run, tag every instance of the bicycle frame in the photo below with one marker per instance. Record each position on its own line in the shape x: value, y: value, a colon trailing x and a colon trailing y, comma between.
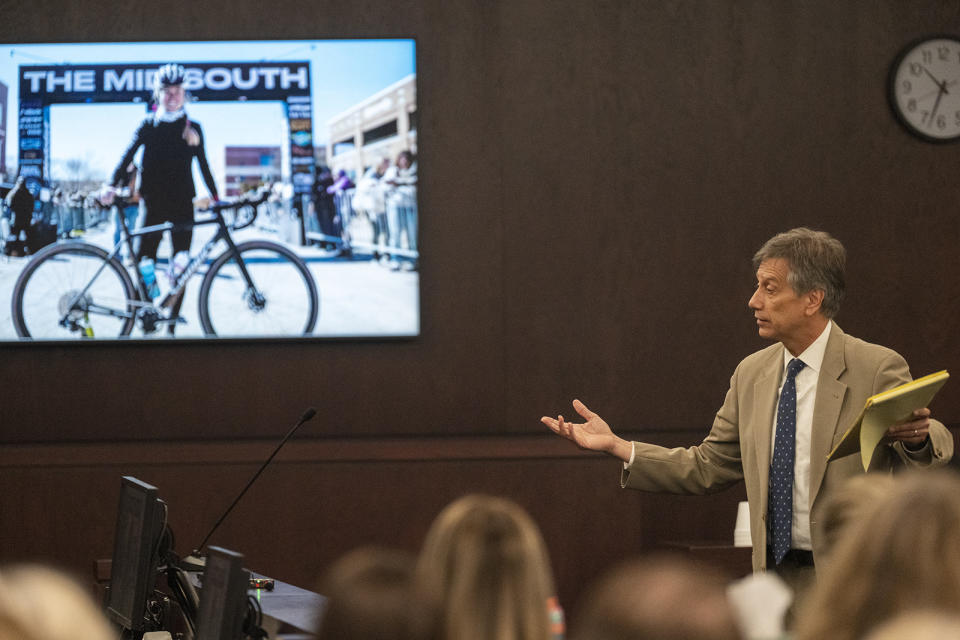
x: 127, y: 237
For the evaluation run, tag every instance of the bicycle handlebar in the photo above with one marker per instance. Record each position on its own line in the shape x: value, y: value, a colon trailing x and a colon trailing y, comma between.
x: 242, y: 201
x: 247, y: 201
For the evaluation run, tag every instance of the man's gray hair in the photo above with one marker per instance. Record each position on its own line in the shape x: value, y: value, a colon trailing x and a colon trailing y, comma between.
x: 817, y: 261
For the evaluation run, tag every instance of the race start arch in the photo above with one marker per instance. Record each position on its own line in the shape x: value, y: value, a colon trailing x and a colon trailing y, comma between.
x: 44, y: 85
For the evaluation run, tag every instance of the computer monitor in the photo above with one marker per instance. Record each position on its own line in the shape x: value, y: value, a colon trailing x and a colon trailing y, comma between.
x: 223, y: 596
x: 140, y: 524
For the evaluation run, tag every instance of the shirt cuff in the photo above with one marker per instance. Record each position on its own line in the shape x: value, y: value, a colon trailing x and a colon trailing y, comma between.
x: 633, y: 454
x: 920, y: 454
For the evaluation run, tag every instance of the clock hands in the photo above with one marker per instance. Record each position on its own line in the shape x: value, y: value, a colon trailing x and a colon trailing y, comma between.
x: 924, y: 96
x: 941, y: 91
x: 936, y: 104
x: 940, y: 85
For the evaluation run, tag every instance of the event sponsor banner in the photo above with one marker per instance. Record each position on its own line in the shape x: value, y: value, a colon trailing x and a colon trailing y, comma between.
x: 300, y: 118
x: 134, y: 82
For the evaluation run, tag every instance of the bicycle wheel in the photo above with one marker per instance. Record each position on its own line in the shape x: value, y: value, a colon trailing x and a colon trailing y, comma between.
x: 283, y: 300
x: 72, y: 290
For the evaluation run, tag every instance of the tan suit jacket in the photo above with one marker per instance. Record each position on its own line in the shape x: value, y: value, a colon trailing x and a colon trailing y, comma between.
x: 739, y: 443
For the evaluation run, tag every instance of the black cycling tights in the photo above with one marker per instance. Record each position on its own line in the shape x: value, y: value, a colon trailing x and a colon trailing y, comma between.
x: 159, y: 212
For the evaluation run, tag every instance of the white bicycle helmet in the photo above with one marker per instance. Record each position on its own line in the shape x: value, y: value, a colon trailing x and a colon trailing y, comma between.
x: 168, y: 75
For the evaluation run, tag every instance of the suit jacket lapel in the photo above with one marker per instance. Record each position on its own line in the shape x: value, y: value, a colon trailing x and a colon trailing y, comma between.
x: 764, y: 405
x: 826, y: 410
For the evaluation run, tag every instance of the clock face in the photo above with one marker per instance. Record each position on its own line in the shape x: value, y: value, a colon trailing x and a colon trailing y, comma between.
x: 925, y: 88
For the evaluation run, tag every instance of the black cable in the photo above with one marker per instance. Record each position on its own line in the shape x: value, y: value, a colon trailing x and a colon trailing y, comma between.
x: 253, y: 621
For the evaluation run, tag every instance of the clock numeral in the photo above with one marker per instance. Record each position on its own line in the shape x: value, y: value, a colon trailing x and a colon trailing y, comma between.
x: 941, y: 121
x: 943, y: 53
x: 916, y: 69
x: 956, y: 119
x: 911, y: 105
x: 927, y: 56
x: 907, y: 87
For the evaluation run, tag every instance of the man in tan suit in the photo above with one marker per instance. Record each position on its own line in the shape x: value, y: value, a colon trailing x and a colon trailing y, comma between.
x: 800, y: 281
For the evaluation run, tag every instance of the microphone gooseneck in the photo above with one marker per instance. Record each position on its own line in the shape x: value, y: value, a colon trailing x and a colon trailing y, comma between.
x: 307, y: 415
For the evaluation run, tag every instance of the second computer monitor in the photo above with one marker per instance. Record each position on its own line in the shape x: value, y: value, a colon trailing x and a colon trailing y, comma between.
x: 223, y: 597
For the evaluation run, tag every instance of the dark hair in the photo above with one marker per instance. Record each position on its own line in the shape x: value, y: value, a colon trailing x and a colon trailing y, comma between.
x: 369, y: 595
x: 641, y: 598
x: 817, y: 261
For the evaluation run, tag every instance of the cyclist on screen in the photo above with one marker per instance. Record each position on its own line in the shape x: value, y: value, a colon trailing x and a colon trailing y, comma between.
x: 170, y: 142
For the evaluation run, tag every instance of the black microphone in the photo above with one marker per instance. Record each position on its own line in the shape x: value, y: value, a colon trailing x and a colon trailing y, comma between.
x: 307, y: 415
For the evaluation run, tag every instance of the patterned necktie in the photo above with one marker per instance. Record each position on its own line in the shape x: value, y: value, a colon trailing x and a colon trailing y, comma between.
x: 781, y: 468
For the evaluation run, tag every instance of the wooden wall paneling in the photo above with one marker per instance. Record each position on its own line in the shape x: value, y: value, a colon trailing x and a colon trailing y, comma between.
x: 321, y: 499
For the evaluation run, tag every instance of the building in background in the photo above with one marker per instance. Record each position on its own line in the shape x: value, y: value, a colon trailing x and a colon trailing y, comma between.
x: 381, y: 126
x: 249, y: 167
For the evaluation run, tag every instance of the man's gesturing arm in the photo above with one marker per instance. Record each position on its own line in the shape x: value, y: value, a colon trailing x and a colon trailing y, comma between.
x: 594, y: 434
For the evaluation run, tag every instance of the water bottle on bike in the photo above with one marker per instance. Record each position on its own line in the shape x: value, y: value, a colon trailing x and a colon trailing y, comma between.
x: 177, y: 266
x: 149, y: 273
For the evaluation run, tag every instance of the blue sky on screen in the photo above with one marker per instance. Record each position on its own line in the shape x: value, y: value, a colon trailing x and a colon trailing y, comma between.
x: 343, y: 73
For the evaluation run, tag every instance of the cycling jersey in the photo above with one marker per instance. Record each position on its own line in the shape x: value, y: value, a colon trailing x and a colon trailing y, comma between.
x: 166, y: 178
x: 167, y: 160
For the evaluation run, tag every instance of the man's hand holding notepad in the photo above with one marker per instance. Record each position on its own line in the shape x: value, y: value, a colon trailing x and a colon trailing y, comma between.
x: 884, y: 410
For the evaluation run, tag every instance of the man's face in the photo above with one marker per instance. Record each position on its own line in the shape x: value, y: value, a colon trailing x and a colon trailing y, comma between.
x: 172, y: 97
x: 781, y: 314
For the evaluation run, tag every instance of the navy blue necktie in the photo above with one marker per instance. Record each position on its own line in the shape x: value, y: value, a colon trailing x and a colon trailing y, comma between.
x: 781, y: 468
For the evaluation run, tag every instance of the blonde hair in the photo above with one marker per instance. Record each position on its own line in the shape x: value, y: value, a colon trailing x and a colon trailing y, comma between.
x: 902, y: 552
x: 924, y: 624
x: 848, y: 504
x: 40, y: 603
x: 487, y: 566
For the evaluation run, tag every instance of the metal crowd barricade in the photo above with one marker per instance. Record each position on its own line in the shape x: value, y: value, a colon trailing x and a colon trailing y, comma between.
x: 357, y: 229
x: 343, y: 215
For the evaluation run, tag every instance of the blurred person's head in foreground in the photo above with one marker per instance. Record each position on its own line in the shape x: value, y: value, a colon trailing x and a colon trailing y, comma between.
x: 924, y: 624
x: 41, y: 603
x: 369, y: 596
x: 486, y: 565
x: 901, y: 555
x: 656, y: 598
x: 848, y: 504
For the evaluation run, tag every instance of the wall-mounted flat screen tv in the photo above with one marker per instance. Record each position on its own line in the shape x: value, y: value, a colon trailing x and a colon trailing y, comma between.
x: 229, y: 190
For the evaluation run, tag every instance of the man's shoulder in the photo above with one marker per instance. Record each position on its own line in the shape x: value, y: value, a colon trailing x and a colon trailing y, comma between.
x: 858, y: 351
x: 762, y: 357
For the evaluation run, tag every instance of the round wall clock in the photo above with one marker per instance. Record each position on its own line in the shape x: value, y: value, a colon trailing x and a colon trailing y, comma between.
x: 925, y: 88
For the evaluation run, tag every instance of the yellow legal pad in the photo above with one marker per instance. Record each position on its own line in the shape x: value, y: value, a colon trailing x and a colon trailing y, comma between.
x: 883, y: 410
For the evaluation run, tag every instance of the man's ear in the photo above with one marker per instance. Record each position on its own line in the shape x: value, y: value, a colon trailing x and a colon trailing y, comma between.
x: 814, y: 300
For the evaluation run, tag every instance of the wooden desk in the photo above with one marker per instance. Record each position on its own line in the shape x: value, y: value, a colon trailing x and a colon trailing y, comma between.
x: 288, y: 609
x: 733, y: 562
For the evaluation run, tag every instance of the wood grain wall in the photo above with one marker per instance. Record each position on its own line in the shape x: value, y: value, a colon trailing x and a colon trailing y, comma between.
x: 594, y: 179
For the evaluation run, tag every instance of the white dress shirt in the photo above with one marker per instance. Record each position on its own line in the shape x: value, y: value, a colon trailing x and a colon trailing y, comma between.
x: 806, y: 382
